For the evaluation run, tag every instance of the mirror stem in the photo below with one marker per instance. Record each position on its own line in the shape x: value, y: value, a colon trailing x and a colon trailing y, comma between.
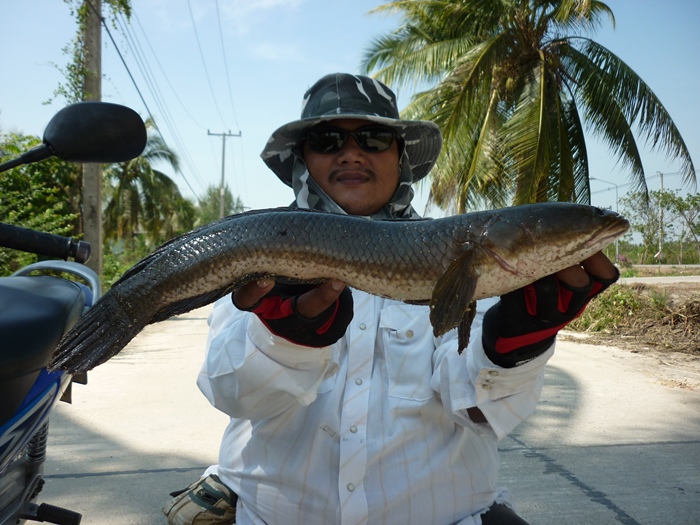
x: 33, y: 155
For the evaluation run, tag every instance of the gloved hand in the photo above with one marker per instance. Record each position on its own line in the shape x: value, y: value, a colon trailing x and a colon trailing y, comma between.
x: 524, y: 323
x: 278, y: 311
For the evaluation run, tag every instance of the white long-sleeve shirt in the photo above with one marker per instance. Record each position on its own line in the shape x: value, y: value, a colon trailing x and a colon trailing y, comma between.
x: 372, y: 429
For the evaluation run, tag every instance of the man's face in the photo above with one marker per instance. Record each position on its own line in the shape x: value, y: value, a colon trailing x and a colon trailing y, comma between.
x: 360, y: 182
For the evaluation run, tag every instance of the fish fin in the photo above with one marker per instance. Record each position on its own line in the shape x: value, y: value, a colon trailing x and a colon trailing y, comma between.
x: 453, y: 294
x: 465, y: 327
x: 99, y: 335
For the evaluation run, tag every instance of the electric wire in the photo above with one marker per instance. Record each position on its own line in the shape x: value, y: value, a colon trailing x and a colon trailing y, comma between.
x: 204, y: 64
x: 165, y: 76
x: 242, y: 176
x: 156, y: 94
x: 228, y: 78
x: 133, y: 81
x: 147, y: 72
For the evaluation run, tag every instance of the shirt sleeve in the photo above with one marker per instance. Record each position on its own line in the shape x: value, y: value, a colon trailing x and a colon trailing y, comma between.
x: 506, y: 396
x: 250, y: 373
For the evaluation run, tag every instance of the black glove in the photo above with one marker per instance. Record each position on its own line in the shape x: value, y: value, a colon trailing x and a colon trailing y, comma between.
x: 524, y: 323
x: 278, y: 312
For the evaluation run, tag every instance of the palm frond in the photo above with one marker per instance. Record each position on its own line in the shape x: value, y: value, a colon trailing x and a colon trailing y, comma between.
x: 636, y: 102
x: 578, y: 15
x: 513, y: 87
x: 573, y: 132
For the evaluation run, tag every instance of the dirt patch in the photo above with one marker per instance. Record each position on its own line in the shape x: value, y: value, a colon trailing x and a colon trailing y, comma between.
x: 672, y: 325
x: 667, y: 328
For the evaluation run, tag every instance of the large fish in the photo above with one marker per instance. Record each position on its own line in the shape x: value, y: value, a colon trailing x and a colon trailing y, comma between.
x: 446, y: 262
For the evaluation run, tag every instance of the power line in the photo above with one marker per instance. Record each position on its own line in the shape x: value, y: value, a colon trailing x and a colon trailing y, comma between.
x: 154, y: 92
x: 165, y: 76
x: 650, y: 177
x: 228, y: 78
x: 204, y: 64
x: 151, y: 81
x: 133, y: 81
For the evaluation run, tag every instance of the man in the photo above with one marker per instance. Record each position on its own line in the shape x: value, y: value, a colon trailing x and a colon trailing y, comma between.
x: 345, y: 408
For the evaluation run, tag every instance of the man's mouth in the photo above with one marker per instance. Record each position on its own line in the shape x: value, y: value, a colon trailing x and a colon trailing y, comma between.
x: 351, y: 177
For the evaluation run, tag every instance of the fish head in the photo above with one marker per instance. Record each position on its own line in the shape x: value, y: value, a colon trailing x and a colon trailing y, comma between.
x: 531, y: 241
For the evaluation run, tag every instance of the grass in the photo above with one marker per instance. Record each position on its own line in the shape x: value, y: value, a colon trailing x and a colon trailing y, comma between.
x: 620, y: 306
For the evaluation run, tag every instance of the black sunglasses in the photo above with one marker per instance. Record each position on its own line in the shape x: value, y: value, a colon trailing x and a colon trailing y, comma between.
x: 373, y: 139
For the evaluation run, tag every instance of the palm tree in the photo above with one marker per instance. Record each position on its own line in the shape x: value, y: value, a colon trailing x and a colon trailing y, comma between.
x: 515, y: 87
x: 142, y: 200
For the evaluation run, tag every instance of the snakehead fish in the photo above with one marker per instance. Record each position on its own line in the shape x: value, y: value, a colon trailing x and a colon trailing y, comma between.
x: 446, y: 262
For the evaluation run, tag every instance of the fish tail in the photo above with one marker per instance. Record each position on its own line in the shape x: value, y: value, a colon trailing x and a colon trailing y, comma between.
x: 99, y: 335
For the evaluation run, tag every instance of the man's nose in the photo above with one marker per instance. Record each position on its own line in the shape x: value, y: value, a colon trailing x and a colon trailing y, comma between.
x: 351, y: 150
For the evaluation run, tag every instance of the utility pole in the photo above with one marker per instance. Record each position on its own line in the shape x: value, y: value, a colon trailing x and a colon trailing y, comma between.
x: 617, y: 201
x: 92, y: 173
x: 223, y: 158
x: 661, y: 215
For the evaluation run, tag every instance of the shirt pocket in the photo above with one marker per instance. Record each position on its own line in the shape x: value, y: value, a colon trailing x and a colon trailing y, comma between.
x: 407, y: 339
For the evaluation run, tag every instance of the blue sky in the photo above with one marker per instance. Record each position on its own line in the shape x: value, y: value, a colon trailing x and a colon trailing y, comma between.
x: 273, y: 50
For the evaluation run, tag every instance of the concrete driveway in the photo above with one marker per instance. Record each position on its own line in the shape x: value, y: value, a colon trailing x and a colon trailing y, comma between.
x: 615, y: 439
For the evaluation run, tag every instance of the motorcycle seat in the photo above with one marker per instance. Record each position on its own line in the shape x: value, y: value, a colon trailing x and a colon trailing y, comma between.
x: 35, y: 312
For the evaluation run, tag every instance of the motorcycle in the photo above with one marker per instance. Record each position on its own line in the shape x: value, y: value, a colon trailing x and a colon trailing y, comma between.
x: 40, y: 302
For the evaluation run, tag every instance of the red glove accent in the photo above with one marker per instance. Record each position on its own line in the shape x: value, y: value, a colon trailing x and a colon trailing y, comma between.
x: 278, y: 312
x: 524, y: 323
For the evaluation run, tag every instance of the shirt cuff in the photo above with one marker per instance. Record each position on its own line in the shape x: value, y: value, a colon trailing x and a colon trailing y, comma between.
x: 283, y: 351
x: 506, y: 396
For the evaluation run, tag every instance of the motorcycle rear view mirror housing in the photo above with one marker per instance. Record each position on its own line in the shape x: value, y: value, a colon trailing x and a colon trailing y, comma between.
x: 98, y: 132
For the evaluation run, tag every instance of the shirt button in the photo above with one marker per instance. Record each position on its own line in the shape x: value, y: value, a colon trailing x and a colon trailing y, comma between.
x: 493, y: 373
x: 486, y: 386
x: 363, y: 326
x: 353, y: 429
x: 358, y: 381
x: 351, y: 487
x: 409, y: 333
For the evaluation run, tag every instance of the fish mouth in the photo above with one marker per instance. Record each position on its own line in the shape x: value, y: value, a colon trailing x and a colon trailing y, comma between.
x: 607, y: 233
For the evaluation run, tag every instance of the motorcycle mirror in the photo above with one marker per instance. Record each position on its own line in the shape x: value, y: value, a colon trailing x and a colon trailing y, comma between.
x: 89, y: 132
x: 96, y: 132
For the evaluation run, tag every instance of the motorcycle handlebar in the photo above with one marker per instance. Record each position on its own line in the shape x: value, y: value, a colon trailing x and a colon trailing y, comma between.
x: 40, y: 243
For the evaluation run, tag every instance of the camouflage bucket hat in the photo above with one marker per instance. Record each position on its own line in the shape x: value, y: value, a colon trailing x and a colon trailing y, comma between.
x: 341, y: 95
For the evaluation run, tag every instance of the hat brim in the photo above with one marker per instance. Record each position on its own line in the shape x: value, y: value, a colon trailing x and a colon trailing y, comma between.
x: 422, y: 141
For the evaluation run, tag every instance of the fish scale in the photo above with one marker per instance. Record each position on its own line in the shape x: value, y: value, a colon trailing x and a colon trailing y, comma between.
x: 446, y: 262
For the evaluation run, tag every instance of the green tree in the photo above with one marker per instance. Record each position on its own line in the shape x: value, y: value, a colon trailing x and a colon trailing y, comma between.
x: 512, y: 85
x: 686, y: 211
x: 209, y: 207
x: 140, y: 200
x: 644, y: 213
x: 41, y: 196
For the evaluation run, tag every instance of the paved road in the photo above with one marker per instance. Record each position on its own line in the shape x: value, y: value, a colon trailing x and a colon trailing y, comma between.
x: 662, y: 279
x: 613, y: 441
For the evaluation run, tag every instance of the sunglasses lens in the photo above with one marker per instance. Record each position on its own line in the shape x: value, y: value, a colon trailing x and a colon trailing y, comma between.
x: 326, y: 140
x: 331, y: 140
x: 375, y: 139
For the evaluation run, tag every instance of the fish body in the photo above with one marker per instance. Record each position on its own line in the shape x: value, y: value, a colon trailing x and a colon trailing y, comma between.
x: 446, y: 262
